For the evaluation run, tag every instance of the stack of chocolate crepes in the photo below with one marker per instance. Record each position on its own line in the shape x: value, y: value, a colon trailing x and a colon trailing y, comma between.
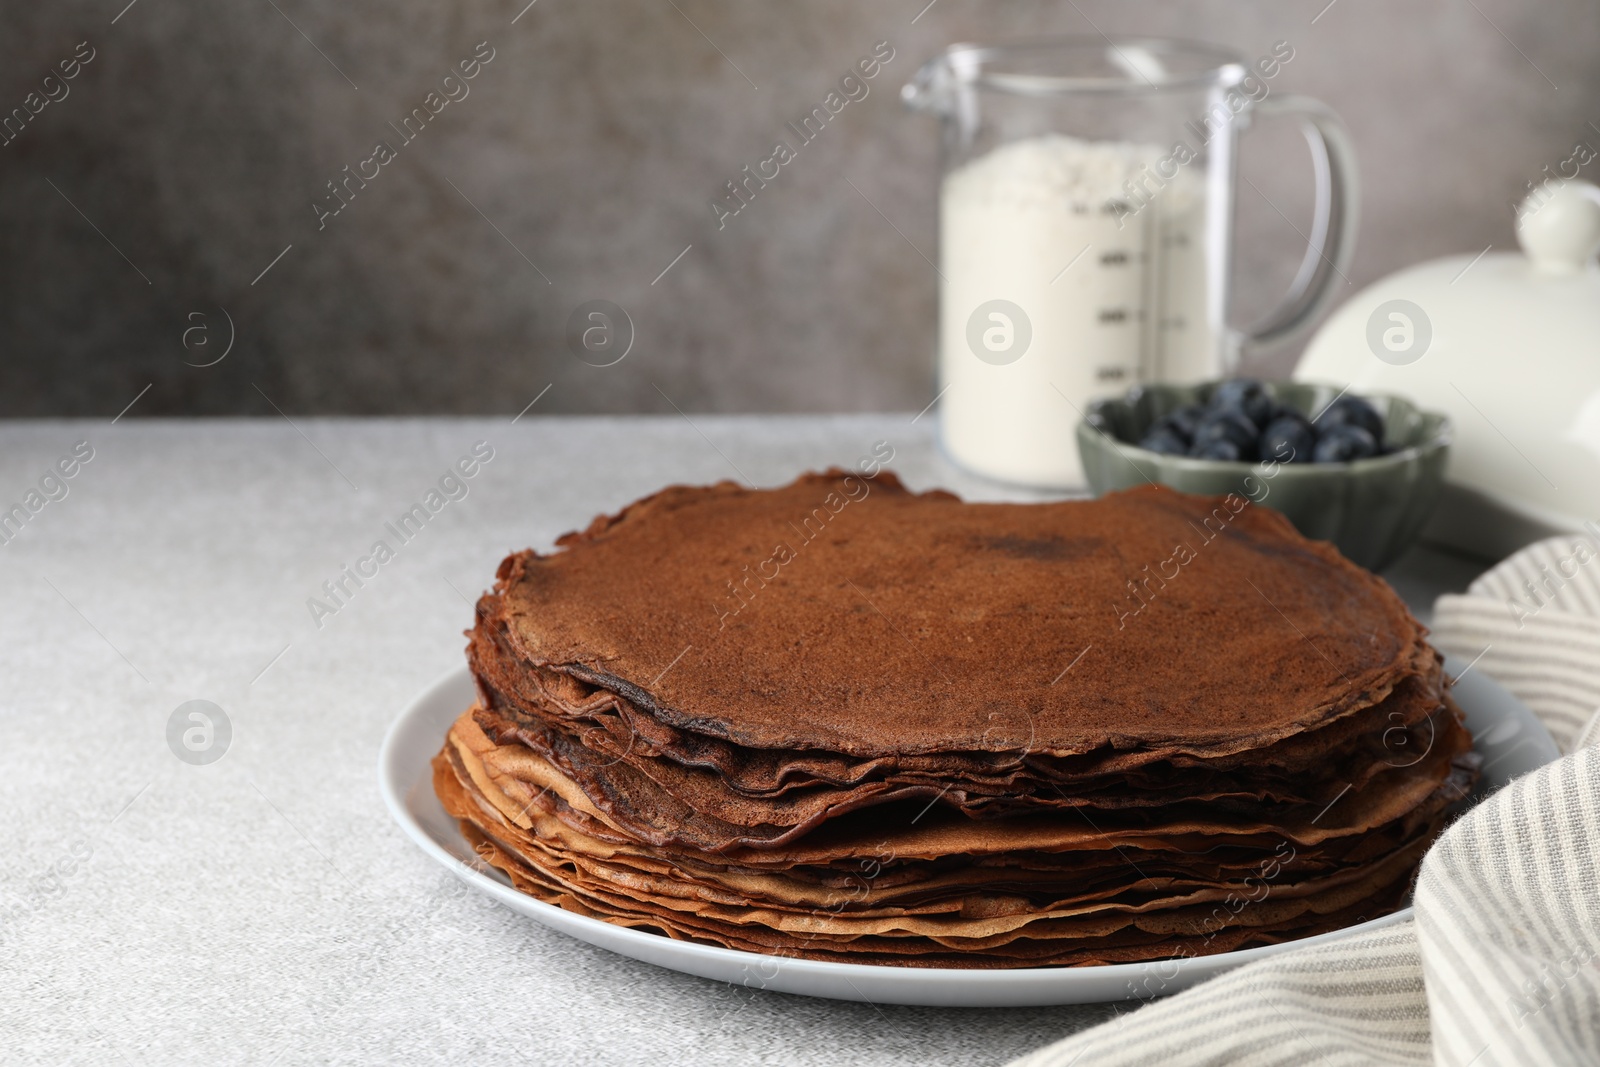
x: 843, y: 721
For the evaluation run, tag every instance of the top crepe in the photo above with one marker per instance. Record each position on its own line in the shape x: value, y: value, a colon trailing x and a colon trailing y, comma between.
x: 809, y: 617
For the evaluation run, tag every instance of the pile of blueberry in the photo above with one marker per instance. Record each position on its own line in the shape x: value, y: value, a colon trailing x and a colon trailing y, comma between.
x: 1241, y: 421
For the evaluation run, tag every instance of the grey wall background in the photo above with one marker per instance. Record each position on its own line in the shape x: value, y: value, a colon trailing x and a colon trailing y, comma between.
x: 199, y: 135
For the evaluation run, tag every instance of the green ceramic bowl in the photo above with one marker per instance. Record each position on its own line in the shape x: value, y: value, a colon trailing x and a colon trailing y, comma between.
x: 1371, y: 509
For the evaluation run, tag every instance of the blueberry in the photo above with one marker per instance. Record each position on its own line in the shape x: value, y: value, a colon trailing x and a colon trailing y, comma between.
x: 1288, y: 438
x: 1351, y: 411
x: 1181, y: 421
x: 1285, y: 412
x: 1246, y: 396
x: 1344, y: 443
x: 1227, y: 426
x: 1164, y: 440
x: 1221, y: 448
x: 1280, y: 411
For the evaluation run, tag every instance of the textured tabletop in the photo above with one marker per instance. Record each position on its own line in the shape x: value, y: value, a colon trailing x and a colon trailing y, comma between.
x: 262, y: 908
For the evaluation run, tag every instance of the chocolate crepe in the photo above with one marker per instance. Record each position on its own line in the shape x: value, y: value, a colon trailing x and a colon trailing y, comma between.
x: 845, y: 721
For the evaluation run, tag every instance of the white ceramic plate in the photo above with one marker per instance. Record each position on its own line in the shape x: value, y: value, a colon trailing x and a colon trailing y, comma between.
x: 1511, y: 740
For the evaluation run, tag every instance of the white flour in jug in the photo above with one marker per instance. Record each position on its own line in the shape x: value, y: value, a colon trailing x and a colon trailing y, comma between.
x: 1104, y: 260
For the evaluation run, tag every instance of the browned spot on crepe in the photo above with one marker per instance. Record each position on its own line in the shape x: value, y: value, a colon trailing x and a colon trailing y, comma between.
x: 831, y: 720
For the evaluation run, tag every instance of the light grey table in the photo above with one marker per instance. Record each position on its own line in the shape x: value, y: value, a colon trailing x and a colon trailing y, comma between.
x: 263, y: 908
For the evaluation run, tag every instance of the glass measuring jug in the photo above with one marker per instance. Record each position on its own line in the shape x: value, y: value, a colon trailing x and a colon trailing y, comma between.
x: 1085, y: 231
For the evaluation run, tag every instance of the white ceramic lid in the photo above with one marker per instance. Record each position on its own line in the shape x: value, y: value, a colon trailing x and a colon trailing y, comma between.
x: 1508, y: 343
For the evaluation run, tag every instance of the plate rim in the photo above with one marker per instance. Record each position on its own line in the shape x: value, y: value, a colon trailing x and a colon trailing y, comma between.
x: 956, y: 987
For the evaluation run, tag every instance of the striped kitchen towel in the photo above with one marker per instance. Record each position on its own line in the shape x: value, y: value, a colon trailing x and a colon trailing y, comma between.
x: 1501, y: 964
x: 1533, y: 624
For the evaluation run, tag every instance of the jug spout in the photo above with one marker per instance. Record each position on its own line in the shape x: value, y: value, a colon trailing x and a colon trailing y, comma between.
x: 932, y: 89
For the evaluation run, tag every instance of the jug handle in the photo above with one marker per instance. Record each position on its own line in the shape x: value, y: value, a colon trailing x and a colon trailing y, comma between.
x: 1331, y: 245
